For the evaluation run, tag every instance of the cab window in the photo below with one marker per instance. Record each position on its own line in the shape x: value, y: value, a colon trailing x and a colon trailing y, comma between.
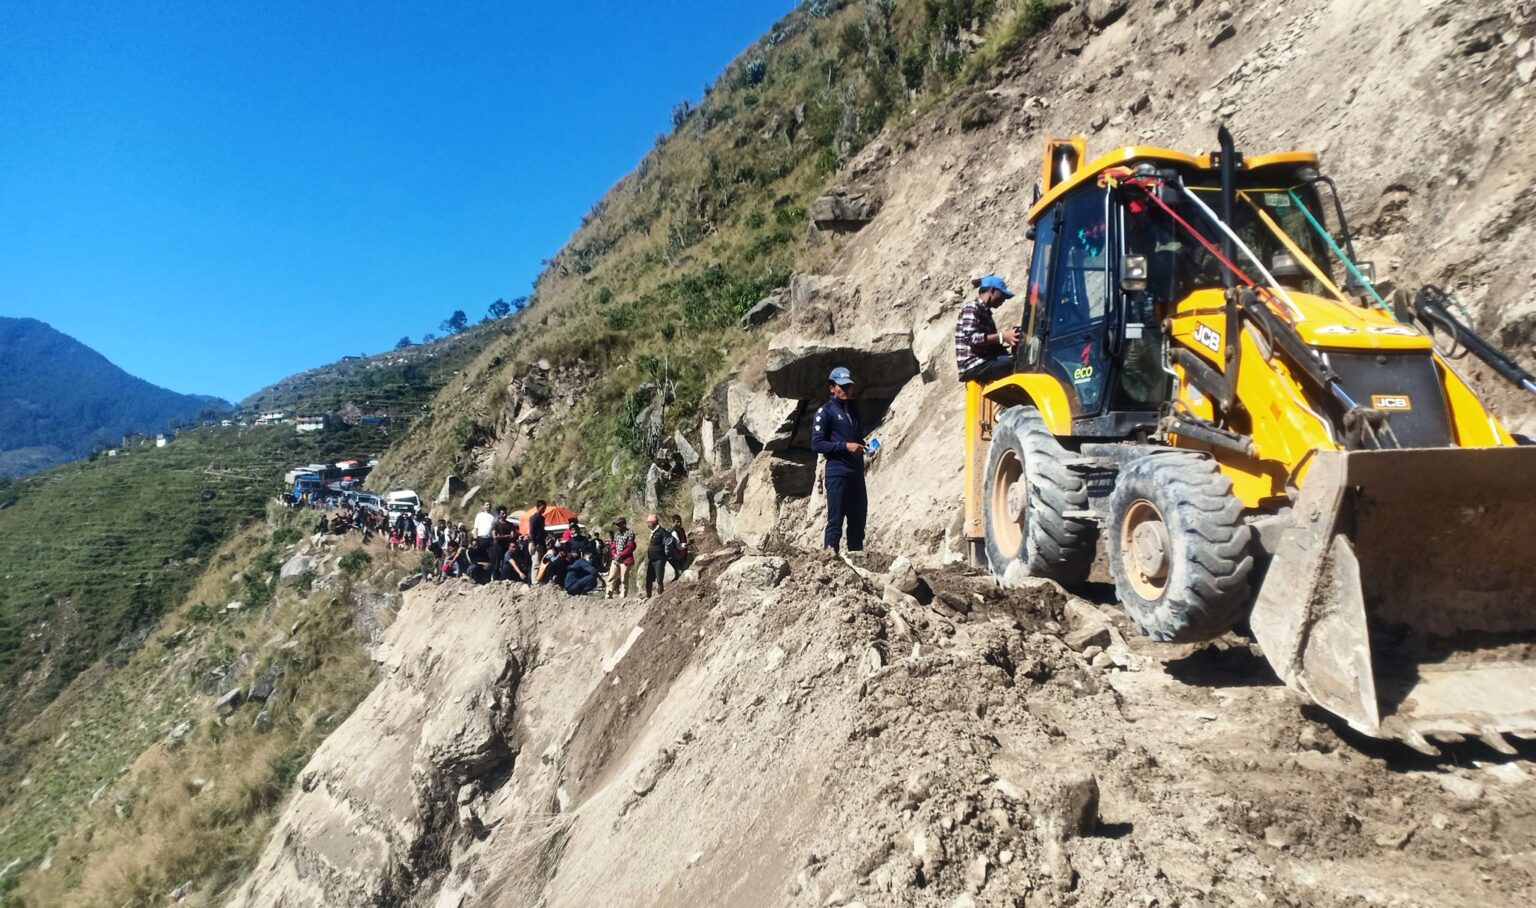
x: 1035, y: 311
x: 1078, y: 302
x: 1081, y: 283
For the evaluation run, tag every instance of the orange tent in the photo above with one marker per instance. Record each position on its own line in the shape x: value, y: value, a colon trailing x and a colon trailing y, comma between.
x: 555, y: 517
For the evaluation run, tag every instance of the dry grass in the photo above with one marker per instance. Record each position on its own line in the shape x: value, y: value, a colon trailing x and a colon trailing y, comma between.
x: 201, y: 811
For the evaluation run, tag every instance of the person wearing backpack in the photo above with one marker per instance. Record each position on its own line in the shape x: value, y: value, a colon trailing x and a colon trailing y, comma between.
x: 659, y: 552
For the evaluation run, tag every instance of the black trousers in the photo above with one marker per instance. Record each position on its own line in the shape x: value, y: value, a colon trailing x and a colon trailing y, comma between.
x: 990, y: 370
x: 846, y: 501
x: 655, y: 573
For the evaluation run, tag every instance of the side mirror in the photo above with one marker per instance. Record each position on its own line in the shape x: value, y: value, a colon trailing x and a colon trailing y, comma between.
x: 1133, y: 273
x: 1368, y: 271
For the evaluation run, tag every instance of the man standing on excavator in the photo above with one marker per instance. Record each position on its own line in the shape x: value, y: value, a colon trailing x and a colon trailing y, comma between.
x: 835, y: 434
x: 980, y: 351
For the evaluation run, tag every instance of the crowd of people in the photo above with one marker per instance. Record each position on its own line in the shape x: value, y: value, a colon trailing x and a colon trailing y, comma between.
x: 340, y: 517
x: 497, y: 548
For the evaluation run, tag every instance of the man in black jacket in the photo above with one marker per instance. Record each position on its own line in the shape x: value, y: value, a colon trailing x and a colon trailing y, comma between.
x: 835, y: 434
x: 535, y: 527
x: 661, y: 549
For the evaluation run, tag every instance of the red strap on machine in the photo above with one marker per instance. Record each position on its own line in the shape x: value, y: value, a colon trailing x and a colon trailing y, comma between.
x: 1199, y: 238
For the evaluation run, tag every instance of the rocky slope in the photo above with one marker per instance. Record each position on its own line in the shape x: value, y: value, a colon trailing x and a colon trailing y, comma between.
x: 790, y: 731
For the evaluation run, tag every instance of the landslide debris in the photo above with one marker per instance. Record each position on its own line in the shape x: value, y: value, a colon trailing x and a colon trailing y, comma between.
x: 785, y: 730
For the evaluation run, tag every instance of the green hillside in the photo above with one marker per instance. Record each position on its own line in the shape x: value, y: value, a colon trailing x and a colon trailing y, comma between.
x: 59, y: 399
x: 399, y: 384
x: 93, y: 552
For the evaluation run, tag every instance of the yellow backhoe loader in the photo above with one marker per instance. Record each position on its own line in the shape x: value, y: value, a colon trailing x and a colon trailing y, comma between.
x: 1208, y: 379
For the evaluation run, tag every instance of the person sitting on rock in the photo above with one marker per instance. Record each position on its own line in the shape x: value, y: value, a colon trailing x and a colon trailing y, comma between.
x: 516, y: 566
x: 580, y: 576
x: 479, y: 562
x: 555, y: 564
x: 981, y: 351
x: 456, y: 563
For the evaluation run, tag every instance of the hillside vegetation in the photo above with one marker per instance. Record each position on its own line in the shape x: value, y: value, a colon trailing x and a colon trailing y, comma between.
x: 399, y: 384
x: 59, y: 399
x: 136, y: 784
x: 92, y: 553
x: 651, y: 288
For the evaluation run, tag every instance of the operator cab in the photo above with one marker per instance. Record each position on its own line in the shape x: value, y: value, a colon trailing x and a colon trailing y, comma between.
x: 1107, y: 267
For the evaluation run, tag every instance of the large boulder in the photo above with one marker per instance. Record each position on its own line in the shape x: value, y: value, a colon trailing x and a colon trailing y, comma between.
x: 467, y: 500
x: 844, y: 209
x: 652, y: 488
x: 798, y: 368
x: 771, y: 420
x: 686, y: 451
x: 740, y: 448
x: 453, y: 487
x: 295, y: 569
x: 707, y: 445
x: 701, y: 511
x: 765, y: 309
x: 756, y: 573
x: 793, y: 473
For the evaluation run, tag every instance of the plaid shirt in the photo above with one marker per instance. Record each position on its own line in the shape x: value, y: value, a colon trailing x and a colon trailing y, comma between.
x: 971, y: 345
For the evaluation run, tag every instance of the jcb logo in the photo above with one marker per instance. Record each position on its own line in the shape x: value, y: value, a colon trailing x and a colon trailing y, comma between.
x: 1207, y: 337
x: 1391, y: 402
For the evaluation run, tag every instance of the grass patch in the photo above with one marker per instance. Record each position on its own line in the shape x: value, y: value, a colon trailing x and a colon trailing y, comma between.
x: 199, y: 811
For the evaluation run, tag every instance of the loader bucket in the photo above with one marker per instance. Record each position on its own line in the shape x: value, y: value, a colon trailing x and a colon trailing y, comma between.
x: 1402, y: 595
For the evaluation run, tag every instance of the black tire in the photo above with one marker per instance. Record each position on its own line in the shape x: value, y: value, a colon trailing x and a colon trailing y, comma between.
x: 1027, y: 493
x: 1178, y: 548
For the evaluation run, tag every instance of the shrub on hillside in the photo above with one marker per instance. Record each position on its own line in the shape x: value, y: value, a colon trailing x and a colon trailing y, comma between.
x: 355, y: 562
x: 755, y: 72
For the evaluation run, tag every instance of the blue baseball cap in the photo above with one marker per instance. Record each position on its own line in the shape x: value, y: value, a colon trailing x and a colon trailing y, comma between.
x: 841, y: 376
x: 993, y: 282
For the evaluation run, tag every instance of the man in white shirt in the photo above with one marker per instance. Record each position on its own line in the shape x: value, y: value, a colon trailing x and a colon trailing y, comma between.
x: 484, y: 521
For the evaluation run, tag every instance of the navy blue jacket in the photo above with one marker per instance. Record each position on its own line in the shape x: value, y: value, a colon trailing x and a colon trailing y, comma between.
x: 580, y: 577
x: 836, y: 424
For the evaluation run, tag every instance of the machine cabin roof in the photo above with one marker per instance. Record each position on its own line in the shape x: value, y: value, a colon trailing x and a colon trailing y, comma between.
x: 1202, y: 166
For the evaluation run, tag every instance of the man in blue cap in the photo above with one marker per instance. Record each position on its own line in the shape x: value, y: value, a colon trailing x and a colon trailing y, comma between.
x: 835, y: 434
x: 981, y: 351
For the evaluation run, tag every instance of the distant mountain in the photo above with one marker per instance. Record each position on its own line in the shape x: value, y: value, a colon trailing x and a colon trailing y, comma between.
x: 59, y: 399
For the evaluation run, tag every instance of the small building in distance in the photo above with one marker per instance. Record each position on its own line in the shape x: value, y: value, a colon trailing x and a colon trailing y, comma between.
x: 311, y: 423
x: 271, y: 419
x: 164, y: 438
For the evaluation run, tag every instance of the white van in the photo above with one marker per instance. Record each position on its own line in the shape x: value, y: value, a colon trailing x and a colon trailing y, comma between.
x: 403, y: 501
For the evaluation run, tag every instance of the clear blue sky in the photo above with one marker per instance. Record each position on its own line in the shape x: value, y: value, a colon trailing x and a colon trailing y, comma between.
x: 218, y: 194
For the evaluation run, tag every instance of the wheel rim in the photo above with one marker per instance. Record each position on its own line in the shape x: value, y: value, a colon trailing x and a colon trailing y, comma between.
x: 1009, y: 498
x: 1144, y: 549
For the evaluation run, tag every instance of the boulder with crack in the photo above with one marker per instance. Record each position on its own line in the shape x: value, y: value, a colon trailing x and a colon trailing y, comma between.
x: 798, y: 367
